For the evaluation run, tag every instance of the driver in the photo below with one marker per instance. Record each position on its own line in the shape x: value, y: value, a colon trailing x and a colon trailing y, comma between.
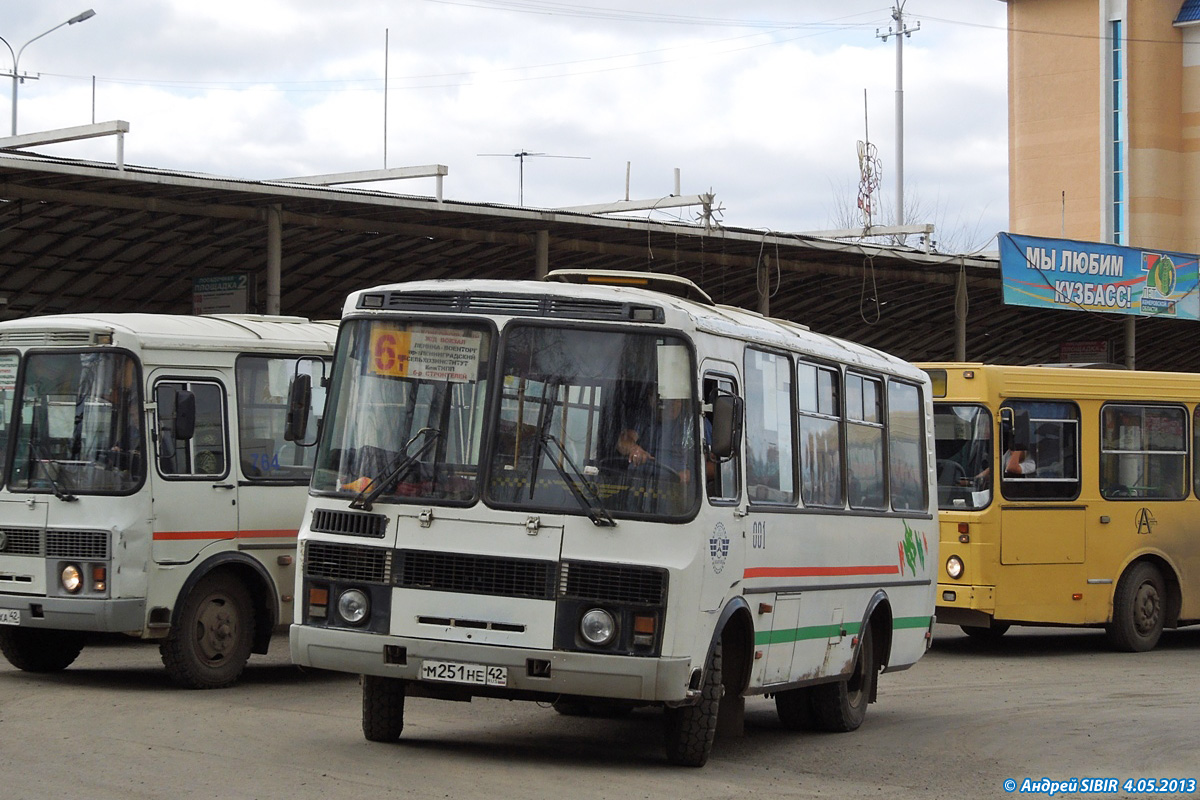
x: 672, y: 440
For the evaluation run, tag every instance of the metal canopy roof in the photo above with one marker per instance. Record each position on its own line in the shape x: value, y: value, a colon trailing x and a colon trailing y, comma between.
x: 82, y: 236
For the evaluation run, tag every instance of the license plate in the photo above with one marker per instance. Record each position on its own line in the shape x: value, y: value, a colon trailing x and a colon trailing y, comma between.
x: 451, y: 672
x: 10, y: 616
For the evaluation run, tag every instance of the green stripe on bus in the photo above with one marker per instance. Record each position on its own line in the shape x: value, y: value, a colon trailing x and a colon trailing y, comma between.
x: 830, y: 631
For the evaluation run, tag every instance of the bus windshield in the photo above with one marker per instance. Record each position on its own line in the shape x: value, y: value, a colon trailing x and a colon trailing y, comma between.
x: 605, y: 421
x: 963, y: 435
x: 600, y: 423
x: 405, y: 412
x: 78, y: 424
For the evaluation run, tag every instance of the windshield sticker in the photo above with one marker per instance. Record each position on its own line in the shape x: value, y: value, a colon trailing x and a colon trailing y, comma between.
x: 8, y: 373
x: 439, y: 355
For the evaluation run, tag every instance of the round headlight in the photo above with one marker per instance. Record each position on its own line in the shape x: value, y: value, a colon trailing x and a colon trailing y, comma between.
x: 597, y: 627
x: 954, y: 567
x: 72, y: 578
x: 353, y: 606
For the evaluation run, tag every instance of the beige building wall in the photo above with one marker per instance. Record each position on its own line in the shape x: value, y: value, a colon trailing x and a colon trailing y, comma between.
x: 1060, y: 124
x: 1054, y: 119
x: 1190, y: 140
x: 1155, y: 78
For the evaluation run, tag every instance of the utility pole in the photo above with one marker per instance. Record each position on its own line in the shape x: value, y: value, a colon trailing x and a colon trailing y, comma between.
x: 900, y: 33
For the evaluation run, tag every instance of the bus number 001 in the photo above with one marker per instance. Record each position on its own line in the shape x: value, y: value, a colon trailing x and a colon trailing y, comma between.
x: 758, y: 536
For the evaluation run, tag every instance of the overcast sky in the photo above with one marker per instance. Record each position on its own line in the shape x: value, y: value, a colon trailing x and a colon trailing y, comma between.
x: 760, y: 101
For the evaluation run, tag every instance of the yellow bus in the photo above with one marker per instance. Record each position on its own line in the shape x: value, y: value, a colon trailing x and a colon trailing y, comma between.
x: 1067, y: 496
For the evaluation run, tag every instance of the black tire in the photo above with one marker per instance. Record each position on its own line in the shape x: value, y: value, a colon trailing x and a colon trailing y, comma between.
x: 601, y: 709
x: 39, y: 650
x: 990, y: 633
x: 1139, y: 609
x: 690, y: 730
x: 841, y: 707
x: 210, y: 642
x: 794, y: 707
x: 383, y: 708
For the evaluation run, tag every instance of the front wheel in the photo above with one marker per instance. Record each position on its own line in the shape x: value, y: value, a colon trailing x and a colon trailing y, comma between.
x: 1138, y: 612
x: 690, y: 730
x: 841, y: 707
x: 383, y: 708
x: 210, y: 642
x: 39, y: 650
x: 986, y: 633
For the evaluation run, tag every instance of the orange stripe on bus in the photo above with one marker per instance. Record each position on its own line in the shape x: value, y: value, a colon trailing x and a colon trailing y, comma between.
x: 175, y: 536
x: 810, y: 572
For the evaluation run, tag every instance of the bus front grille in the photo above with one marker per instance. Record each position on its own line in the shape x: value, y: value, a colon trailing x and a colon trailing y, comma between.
x: 474, y: 574
x: 613, y: 583
x: 52, y: 543
x: 77, y: 544
x: 20, y: 541
x: 347, y: 562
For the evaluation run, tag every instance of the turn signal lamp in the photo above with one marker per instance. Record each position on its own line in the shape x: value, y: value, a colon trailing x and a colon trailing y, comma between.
x: 99, y: 576
x: 318, y: 600
x: 964, y: 533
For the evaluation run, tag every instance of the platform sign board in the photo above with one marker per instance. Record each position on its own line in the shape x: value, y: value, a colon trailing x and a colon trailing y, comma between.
x: 221, y: 294
x: 1092, y: 276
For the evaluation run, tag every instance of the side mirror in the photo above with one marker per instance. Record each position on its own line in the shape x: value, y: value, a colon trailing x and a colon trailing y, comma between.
x: 298, y: 408
x: 727, y: 426
x: 185, y: 415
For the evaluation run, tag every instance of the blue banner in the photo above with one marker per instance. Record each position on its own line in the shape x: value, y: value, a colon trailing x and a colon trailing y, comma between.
x: 1091, y: 276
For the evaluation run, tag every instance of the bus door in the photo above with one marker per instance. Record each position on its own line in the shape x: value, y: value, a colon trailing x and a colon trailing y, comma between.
x: 195, y: 491
x: 1042, y: 521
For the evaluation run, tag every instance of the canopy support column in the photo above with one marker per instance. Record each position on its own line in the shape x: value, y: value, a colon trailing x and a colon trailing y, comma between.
x: 274, y: 256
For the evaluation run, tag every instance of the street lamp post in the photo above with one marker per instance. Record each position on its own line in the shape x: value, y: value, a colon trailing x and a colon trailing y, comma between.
x: 16, y: 57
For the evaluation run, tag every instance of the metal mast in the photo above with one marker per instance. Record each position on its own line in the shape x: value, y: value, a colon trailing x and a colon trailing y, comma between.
x: 900, y: 33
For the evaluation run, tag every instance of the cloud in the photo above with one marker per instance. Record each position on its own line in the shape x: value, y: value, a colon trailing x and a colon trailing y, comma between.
x: 761, y: 102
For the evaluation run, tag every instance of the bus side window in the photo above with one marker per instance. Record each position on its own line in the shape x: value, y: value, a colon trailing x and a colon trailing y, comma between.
x: 906, y: 453
x: 1045, y: 436
x: 1143, y: 452
x: 202, y: 455
x: 820, y: 429
x: 721, y: 475
x: 770, y: 467
x: 263, y: 389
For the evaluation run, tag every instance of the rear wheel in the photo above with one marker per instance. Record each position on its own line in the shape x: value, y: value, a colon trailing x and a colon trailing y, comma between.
x: 840, y: 707
x: 209, y: 644
x: 690, y: 730
x: 39, y: 650
x: 1138, y: 609
x: 383, y: 708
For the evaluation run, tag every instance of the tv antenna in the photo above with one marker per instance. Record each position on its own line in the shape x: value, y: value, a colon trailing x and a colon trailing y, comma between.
x: 521, y: 155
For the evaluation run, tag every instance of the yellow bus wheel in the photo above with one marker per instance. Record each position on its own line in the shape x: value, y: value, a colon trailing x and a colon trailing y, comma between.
x: 1138, y: 609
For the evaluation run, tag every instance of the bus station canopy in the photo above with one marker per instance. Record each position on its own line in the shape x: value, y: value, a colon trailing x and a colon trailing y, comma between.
x: 91, y: 236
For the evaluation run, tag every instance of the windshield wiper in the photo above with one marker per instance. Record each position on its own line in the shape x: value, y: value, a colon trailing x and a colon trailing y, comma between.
x: 36, y: 445
x: 399, y: 469
x: 577, y: 483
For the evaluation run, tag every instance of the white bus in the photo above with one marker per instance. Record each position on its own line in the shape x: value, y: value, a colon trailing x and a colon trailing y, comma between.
x: 605, y: 491
x: 147, y: 484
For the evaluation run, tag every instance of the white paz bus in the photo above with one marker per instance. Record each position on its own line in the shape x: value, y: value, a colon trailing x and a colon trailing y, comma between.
x: 604, y: 491
x: 148, y: 486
